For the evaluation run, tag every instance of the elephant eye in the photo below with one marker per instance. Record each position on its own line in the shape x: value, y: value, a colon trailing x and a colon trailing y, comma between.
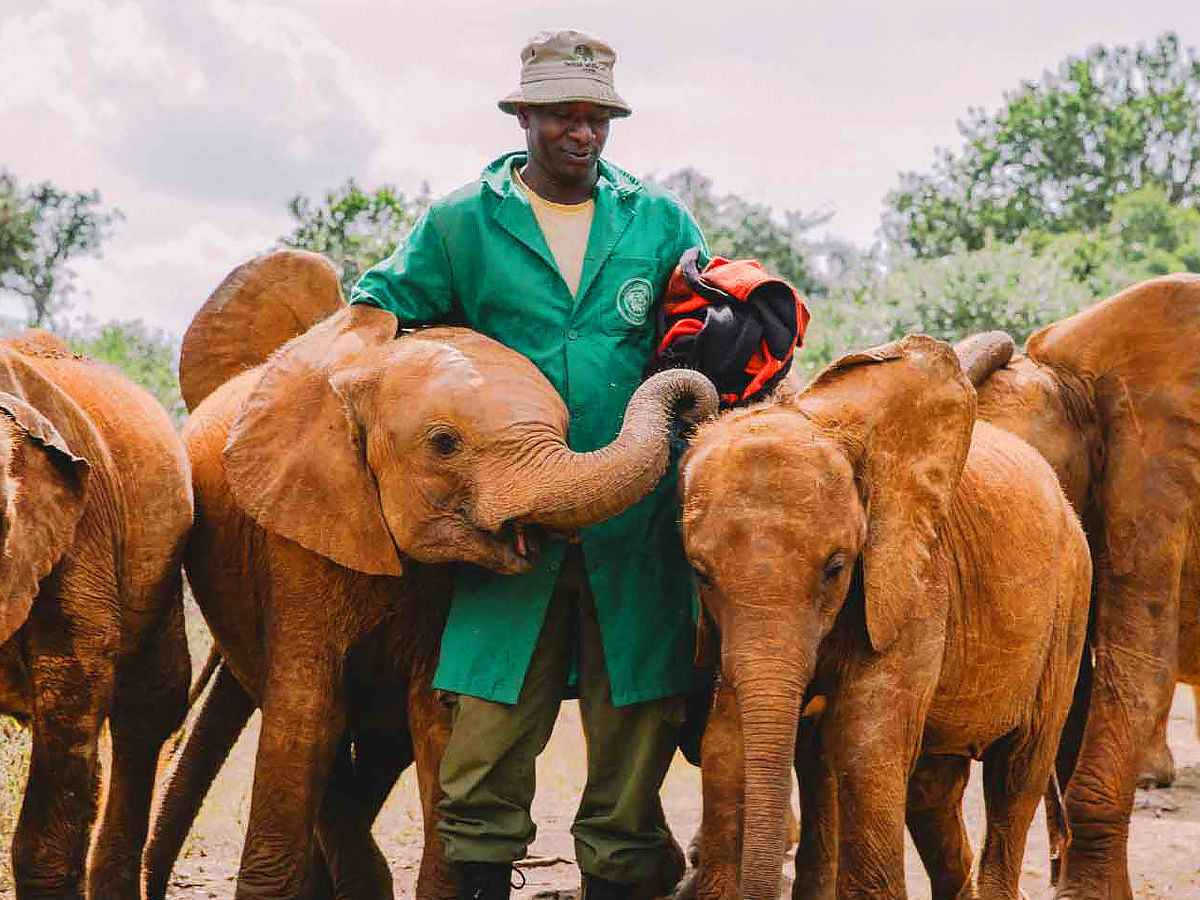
x: 444, y: 441
x: 835, y: 564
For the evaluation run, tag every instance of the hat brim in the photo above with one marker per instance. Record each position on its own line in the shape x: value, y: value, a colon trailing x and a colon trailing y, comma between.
x: 566, y: 90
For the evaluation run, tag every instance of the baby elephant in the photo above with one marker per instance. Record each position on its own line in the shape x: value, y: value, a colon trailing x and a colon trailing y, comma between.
x: 868, y: 542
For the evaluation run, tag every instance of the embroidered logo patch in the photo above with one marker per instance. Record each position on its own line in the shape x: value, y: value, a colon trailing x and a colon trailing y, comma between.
x: 634, y: 299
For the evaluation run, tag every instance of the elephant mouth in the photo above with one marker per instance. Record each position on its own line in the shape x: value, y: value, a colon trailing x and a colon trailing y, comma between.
x: 521, y: 538
x: 516, y: 545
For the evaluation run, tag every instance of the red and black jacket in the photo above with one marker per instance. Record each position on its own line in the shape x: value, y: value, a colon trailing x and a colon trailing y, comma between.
x: 733, y: 322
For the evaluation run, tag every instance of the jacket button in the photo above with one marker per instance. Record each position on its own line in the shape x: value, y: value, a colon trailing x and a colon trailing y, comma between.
x: 572, y: 335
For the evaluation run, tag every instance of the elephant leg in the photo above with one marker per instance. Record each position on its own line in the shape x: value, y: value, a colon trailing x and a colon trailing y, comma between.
x: 1064, y: 764
x: 1016, y: 770
x: 721, y: 822
x: 429, y: 724
x: 150, y: 703
x: 1133, y: 683
x: 223, y: 715
x: 1158, y: 767
x: 71, y: 696
x: 934, y: 816
x: 816, y: 853
x: 1196, y: 709
x: 303, y: 717
x: 874, y: 741
x: 358, y: 787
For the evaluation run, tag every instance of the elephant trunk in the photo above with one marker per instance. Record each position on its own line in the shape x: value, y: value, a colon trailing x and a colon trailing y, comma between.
x: 769, y: 694
x: 573, y: 490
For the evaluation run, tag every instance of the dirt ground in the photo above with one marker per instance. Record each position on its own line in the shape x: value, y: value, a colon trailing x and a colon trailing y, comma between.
x: 1164, y: 854
x: 1164, y: 850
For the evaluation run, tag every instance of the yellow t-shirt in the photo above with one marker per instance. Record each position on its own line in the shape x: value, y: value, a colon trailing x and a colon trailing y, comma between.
x: 565, y: 226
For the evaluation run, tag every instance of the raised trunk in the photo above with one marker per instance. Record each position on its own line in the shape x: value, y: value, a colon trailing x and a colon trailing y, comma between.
x: 769, y: 707
x: 572, y: 490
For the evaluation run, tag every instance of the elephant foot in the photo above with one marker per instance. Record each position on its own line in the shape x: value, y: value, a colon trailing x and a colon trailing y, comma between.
x: 1158, y: 768
x: 1104, y: 892
x: 686, y: 889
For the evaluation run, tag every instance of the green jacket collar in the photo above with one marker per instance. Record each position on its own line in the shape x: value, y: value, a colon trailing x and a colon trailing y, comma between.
x: 498, y: 177
x: 612, y: 215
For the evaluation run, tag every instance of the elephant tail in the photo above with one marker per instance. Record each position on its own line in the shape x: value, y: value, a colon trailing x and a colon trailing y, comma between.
x: 206, y: 674
x: 223, y: 716
x: 255, y: 310
x: 982, y: 354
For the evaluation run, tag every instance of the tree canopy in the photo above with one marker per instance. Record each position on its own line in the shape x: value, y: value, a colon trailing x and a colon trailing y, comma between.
x: 353, y: 227
x: 1060, y: 152
x: 737, y: 228
x: 149, y: 356
x: 41, y: 229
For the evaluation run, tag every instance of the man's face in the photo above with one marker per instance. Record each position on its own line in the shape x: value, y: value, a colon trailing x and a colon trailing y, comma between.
x: 565, y: 139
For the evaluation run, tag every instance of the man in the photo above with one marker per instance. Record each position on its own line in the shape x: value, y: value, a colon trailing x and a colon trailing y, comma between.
x: 561, y: 256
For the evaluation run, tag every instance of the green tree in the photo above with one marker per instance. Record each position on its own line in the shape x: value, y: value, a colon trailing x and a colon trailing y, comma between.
x: 148, y: 356
x: 737, y: 228
x: 16, y: 231
x: 353, y: 227
x: 1060, y: 152
x: 41, y: 229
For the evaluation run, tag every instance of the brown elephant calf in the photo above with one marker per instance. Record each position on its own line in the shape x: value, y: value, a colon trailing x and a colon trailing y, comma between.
x: 867, y: 541
x: 96, y: 505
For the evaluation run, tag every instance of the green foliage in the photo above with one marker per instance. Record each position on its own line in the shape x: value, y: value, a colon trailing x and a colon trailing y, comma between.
x: 41, y: 229
x: 1152, y: 237
x: 736, y: 229
x: 1014, y: 287
x: 1001, y: 286
x: 16, y: 226
x: 1060, y: 152
x: 352, y: 227
x: 149, y: 357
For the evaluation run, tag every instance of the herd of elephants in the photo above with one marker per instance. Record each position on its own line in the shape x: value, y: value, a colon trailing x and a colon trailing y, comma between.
x: 928, y: 555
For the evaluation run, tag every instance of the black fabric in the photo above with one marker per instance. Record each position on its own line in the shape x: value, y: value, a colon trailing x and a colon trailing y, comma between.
x: 484, y: 881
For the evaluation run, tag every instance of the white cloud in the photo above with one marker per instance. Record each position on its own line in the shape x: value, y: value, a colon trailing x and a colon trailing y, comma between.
x: 164, y: 282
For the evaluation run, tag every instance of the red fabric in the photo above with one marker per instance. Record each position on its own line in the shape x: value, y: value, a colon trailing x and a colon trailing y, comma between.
x: 683, y: 326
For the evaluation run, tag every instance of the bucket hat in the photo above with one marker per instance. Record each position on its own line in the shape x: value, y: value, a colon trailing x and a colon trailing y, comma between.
x: 566, y: 67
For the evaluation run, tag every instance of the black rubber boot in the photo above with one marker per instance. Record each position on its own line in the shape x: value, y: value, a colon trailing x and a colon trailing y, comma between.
x: 484, y: 881
x: 601, y: 889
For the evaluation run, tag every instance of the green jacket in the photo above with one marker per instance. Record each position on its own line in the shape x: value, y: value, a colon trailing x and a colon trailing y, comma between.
x: 478, y: 258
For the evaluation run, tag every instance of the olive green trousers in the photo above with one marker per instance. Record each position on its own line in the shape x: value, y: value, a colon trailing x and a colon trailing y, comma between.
x: 487, y: 773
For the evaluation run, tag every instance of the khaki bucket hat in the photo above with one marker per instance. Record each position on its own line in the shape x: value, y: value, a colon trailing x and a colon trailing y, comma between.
x: 566, y: 67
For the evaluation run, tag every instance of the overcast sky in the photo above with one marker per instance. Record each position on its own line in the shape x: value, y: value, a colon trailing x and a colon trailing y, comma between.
x: 200, y: 118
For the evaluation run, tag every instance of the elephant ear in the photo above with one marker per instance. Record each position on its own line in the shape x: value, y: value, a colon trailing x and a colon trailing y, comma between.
x: 1137, y: 354
x: 45, y: 489
x: 296, y: 462
x: 255, y: 310
x: 904, y: 413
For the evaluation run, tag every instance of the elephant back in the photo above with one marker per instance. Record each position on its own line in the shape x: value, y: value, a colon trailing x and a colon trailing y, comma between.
x: 1137, y: 356
x: 255, y: 310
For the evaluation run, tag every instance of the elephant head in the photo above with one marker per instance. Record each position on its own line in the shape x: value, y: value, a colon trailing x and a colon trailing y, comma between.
x: 1111, y: 398
x: 438, y: 445
x: 781, y: 504
x: 43, y: 487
